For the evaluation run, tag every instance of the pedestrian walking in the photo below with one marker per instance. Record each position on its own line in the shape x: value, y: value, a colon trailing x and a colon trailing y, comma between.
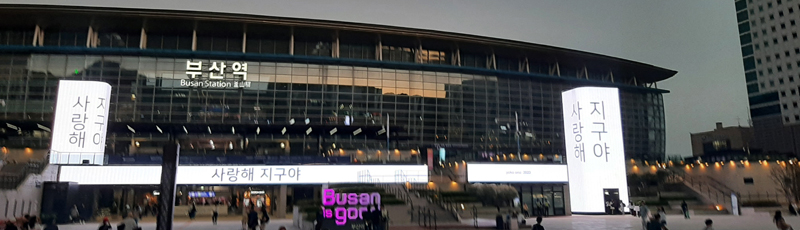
x: 655, y: 223
x: 663, y: 214
x: 685, y: 209
x: 215, y: 214
x: 777, y: 217
x: 644, y: 213
x: 252, y: 219
x: 264, y: 217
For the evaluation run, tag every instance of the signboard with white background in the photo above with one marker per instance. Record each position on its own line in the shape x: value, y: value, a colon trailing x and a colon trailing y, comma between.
x: 516, y: 173
x: 247, y: 174
x: 80, y: 123
x: 595, y: 150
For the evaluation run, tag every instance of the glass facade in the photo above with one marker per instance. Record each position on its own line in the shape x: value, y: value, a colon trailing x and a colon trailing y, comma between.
x: 313, y: 88
x: 475, y: 112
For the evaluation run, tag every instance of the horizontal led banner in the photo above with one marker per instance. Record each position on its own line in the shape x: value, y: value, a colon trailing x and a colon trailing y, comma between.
x: 524, y: 173
x: 246, y: 174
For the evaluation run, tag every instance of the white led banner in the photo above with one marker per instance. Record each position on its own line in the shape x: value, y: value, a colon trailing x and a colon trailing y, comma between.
x: 80, y: 123
x: 595, y: 150
x: 247, y: 174
x: 516, y: 173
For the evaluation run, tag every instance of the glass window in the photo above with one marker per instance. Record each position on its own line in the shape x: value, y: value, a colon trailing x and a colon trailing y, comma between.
x: 64, y: 38
x: 433, y: 57
x: 474, y: 60
x: 398, y: 54
x: 16, y: 37
x: 312, y: 47
x: 118, y: 39
x: 357, y: 51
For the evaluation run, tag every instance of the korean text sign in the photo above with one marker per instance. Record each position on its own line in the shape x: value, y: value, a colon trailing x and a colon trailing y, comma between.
x: 247, y: 174
x: 595, y: 150
x: 80, y: 123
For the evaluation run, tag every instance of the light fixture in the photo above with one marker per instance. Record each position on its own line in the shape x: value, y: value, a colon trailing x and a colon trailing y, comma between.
x: 131, y: 129
x: 233, y: 130
x: 333, y: 131
x: 258, y: 130
x: 159, y: 129
x: 42, y: 127
x: 283, y: 131
x: 357, y: 131
x: 283, y: 145
x: 209, y: 129
x: 185, y: 130
x: 308, y: 131
x: 230, y: 145
x: 308, y: 121
x: 291, y: 121
x: 137, y: 144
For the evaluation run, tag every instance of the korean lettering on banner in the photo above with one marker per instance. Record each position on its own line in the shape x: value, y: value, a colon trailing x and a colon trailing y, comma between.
x: 600, y: 148
x: 216, y: 70
x: 234, y: 174
x: 78, y: 136
x: 577, y: 130
x: 277, y: 174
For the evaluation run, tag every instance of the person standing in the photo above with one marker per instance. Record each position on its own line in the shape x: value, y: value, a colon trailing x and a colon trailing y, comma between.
x: 192, y: 212
x: 128, y: 222
x: 663, y: 214
x: 106, y: 225
x: 634, y: 209
x: 377, y: 217
x: 538, y: 225
x: 709, y: 222
x: 685, y: 209
x: 75, y: 215
x: 252, y: 219
x: 215, y: 214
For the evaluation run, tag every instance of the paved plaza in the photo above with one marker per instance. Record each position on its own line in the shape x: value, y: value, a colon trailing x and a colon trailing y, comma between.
x: 675, y: 222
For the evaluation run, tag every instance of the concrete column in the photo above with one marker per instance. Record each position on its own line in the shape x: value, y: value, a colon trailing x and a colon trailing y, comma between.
x: 280, y: 212
x: 567, y: 200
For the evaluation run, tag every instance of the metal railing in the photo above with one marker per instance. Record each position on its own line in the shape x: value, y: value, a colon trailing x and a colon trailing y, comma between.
x: 12, y: 180
x: 426, y: 217
x: 400, y: 193
x: 721, y: 193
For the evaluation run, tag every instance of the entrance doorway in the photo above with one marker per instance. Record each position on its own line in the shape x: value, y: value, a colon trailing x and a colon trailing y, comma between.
x: 612, y: 202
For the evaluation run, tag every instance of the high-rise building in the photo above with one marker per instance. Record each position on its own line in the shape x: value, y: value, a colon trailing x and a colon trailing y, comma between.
x: 771, y: 57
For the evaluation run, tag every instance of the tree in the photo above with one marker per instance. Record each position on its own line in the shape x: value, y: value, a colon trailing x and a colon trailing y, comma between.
x: 788, y: 180
x: 495, y: 195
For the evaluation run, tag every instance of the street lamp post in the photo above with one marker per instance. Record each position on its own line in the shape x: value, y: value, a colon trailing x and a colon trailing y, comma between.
x: 519, y: 148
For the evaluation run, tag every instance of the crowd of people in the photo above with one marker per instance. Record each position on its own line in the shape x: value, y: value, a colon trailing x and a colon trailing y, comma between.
x: 27, y: 222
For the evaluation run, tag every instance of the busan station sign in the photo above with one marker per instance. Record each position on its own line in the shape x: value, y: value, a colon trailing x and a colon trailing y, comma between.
x: 80, y: 122
x: 247, y: 174
x: 595, y: 150
x: 216, y: 75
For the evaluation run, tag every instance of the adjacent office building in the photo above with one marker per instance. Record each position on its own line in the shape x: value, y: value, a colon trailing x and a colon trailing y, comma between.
x: 768, y: 33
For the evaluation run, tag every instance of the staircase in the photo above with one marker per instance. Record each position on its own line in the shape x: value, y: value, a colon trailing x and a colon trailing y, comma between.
x: 418, y: 207
x: 13, y: 174
x: 710, y: 190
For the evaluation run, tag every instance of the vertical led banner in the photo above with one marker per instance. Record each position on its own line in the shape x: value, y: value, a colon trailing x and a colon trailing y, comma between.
x: 80, y: 123
x: 595, y: 150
